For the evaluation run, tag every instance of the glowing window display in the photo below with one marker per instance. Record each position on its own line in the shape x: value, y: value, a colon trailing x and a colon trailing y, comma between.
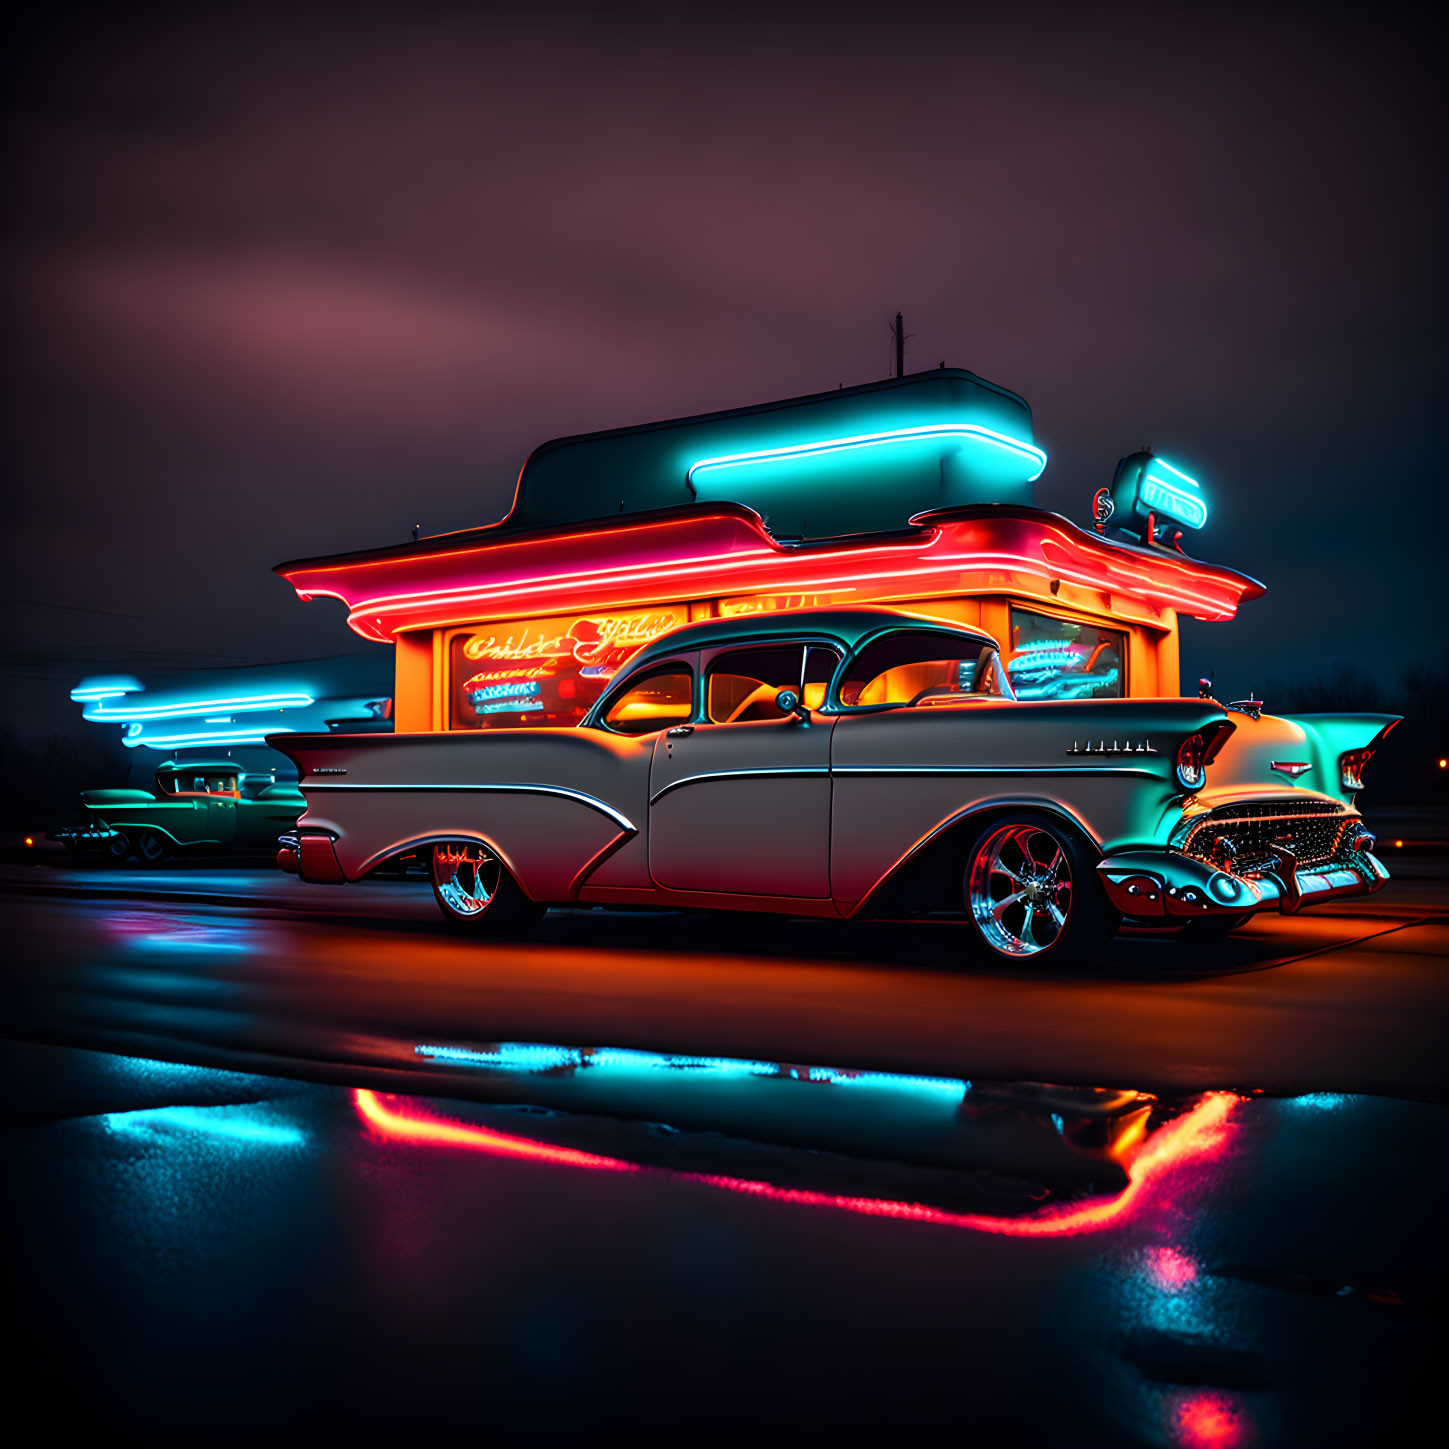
x: 545, y: 671
x: 1065, y: 658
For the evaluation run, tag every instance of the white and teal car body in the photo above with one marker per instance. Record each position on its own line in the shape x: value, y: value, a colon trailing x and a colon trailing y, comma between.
x: 857, y: 761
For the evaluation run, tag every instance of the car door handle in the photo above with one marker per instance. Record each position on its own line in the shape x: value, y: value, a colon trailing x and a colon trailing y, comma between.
x: 679, y: 731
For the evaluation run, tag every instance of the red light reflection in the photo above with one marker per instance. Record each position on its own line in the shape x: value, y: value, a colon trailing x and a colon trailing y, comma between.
x: 1210, y: 1420
x: 1197, y: 1134
x: 1170, y: 1269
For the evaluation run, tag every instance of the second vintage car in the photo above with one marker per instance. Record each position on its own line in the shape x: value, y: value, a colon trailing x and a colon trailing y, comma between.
x: 852, y: 761
x: 196, y: 807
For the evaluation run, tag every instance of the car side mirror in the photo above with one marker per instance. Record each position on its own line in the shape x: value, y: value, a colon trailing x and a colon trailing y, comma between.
x: 788, y: 702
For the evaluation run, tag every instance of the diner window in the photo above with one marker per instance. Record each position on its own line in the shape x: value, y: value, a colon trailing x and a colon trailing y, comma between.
x: 922, y: 668
x: 1065, y: 659
x: 660, y: 699
x: 519, y: 673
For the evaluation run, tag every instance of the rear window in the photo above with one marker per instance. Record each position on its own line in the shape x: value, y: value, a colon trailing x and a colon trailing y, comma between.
x: 199, y: 783
x: 923, y: 668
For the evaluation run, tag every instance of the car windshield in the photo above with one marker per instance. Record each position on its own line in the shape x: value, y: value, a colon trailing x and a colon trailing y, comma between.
x: 924, y: 668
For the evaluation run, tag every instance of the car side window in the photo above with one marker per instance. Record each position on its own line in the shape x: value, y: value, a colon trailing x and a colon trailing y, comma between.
x: 741, y: 685
x: 654, y: 701
x: 920, y: 667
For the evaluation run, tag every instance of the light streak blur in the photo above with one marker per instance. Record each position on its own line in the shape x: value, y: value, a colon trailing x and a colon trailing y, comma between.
x: 176, y: 933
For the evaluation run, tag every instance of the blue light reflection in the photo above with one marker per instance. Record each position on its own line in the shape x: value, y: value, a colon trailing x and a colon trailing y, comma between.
x: 539, y: 1057
x: 250, y: 1125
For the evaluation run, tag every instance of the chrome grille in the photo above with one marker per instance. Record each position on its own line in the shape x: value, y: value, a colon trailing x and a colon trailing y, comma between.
x: 1312, y: 829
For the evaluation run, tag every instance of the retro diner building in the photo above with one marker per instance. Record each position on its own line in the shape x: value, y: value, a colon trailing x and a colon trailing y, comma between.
x: 915, y: 492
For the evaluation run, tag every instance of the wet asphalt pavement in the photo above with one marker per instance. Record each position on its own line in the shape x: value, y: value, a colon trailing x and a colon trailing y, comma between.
x: 292, y: 1162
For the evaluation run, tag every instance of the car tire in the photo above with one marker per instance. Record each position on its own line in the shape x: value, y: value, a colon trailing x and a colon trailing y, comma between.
x: 152, y: 847
x: 117, y: 846
x: 476, y: 892
x: 1032, y: 894
x: 1214, y: 928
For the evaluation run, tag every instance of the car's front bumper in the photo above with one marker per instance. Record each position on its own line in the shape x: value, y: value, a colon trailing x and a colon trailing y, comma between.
x: 1152, y: 884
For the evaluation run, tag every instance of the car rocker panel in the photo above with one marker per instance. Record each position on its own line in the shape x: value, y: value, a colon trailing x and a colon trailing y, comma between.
x: 721, y: 769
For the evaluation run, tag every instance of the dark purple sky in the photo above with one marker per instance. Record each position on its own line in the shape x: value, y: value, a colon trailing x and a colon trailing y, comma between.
x: 287, y: 282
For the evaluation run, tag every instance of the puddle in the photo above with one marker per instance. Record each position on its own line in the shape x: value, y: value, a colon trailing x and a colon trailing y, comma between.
x: 1021, y: 1158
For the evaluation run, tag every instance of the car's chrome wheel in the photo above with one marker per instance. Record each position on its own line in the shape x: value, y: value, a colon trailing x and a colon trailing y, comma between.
x: 477, y: 892
x: 152, y: 847
x: 1019, y: 889
x: 466, y: 878
x: 118, y: 845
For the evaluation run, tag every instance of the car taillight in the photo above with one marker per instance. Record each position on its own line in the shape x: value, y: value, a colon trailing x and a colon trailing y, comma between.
x: 1192, y: 762
x: 1198, y: 751
x: 1351, y: 767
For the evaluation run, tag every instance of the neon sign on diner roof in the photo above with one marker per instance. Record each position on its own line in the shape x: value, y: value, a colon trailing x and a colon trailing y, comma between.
x: 701, y: 554
x: 895, y: 438
x: 1176, y: 495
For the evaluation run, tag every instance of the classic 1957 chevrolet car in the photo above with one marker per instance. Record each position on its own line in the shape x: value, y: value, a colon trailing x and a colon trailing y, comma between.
x: 842, y: 762
x: 196, y: 806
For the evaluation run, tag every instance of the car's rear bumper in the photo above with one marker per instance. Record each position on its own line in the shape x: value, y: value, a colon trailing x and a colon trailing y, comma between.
x: 311, y: 855
x: 1152, y: 884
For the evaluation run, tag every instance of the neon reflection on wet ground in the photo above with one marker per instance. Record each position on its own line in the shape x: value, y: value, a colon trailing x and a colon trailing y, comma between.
x: 1207, y: 1419
x: 1198, y: 1134
x: 237, y: 1124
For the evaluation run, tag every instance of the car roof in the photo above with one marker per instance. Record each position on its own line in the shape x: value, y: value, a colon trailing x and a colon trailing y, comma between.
x: 217, y: 767
x: 846, y: 627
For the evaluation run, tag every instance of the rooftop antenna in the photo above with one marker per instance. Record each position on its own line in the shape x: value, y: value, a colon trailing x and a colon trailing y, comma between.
x: 899, y: 333
x: 416, y: 527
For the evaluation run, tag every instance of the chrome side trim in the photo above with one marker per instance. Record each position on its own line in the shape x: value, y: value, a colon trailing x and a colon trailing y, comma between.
x: 997, y: 770
x: 770, y: 770
x: 622, y: 821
